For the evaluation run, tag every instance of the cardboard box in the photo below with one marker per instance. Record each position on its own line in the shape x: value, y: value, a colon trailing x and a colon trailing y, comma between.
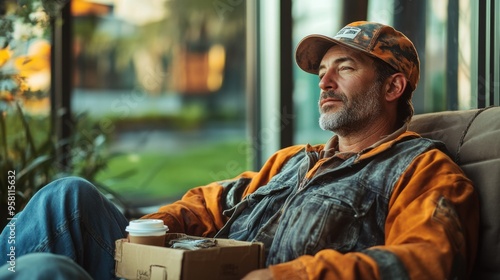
x: 230, y: 259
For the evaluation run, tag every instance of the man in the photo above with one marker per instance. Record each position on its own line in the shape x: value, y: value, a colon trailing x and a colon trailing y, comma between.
x: 375, y: 202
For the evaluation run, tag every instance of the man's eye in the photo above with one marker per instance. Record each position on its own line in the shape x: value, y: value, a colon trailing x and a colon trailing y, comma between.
x: 345, y: 68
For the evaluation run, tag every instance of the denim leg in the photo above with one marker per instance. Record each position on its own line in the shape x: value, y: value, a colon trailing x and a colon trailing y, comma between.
x: 68, y: 217
x: 43, y: 266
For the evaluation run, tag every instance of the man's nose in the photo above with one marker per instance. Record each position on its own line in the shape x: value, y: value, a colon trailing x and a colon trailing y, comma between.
x: 327, y: 82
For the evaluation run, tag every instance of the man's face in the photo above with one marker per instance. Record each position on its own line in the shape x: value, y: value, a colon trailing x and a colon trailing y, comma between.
x: 350, y: 94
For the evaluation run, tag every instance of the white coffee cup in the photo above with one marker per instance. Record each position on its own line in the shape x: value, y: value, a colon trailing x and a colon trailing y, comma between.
x: 147, y: 232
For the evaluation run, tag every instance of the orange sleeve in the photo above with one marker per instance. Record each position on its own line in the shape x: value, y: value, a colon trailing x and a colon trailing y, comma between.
x: 199, y: 212
x: 430, y: 232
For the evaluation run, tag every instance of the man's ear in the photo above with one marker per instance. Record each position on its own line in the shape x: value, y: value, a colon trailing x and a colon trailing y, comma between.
x: 395, y: 86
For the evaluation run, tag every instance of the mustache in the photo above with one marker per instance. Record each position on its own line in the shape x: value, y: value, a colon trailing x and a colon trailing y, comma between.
x: 332, y: 94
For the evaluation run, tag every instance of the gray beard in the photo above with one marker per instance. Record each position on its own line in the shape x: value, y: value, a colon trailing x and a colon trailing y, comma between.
x: 354, y: 116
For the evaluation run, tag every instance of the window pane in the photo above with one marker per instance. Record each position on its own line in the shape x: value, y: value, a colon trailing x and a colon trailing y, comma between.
x: 306, y: 90
x: 165, y: 81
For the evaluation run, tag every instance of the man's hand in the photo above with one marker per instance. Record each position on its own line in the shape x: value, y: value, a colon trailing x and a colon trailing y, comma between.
x: 261, y: 274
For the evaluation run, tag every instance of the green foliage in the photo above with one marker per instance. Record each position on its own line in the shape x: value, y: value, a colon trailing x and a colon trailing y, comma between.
x: 28, y: 149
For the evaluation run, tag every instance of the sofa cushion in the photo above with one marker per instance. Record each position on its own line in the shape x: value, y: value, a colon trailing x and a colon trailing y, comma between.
x: 473, y: 140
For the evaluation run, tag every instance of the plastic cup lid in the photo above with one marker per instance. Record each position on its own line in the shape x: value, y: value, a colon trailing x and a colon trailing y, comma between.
x: 146, y: 226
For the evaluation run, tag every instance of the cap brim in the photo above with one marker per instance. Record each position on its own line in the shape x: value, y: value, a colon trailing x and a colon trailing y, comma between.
x: 312, y: 48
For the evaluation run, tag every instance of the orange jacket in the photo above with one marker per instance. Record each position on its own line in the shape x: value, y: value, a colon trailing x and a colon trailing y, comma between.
x: 431, y: 225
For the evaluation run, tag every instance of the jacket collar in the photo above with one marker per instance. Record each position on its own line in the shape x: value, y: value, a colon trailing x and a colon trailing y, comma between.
x: 385, y: 142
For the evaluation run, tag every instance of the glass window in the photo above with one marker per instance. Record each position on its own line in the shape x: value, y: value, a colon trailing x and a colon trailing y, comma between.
x: 306, y: 91
x: 165, y: 80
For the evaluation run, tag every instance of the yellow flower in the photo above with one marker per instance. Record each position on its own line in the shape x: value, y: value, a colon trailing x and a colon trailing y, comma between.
x: 34, y: 67
x: 38, y: 59
x: 5, y: 55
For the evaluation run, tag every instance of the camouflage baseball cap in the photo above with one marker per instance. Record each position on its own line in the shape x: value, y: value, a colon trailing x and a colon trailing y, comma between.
x: 375, y: 39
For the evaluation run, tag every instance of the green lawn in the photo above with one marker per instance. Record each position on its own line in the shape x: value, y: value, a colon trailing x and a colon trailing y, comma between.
x: 160, y: 175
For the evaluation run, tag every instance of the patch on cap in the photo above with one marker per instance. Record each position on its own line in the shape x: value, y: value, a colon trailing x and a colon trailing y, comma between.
x: 347, y: 32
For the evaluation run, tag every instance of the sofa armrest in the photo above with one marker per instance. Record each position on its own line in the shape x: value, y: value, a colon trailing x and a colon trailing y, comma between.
x: 473, y: 140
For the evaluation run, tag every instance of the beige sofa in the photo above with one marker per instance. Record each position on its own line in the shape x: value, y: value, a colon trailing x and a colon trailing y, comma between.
x: 473, y: 140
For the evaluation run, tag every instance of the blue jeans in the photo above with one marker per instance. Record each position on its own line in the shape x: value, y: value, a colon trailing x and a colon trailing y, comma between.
x: 43, y: 266
x: 67, y: 217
